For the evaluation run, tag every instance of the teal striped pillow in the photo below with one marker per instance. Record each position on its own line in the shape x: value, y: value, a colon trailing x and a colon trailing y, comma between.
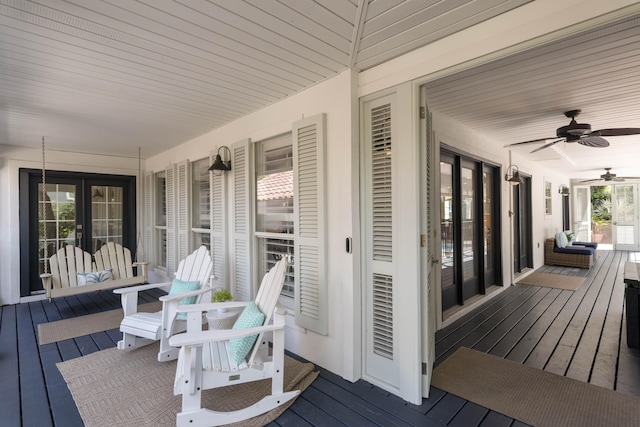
x: 251, y: 317
x: 181, y: 286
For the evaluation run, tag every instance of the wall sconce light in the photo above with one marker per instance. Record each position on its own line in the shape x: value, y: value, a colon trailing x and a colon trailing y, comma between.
x: 219, y: 164
x: 513, y: 175
x: 564, y: 190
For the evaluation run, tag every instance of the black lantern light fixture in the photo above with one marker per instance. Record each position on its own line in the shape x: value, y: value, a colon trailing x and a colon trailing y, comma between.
x: 513, y: 175
x: 564, y: 190
x: 219, y: 164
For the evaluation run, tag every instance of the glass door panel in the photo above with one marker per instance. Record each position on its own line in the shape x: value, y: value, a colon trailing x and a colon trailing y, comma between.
x: 106, y: 215
x: 624, y: 216
x: 469, y: 263
x: 57, y: 226
x: 449, y: 292
x: 582, y: 213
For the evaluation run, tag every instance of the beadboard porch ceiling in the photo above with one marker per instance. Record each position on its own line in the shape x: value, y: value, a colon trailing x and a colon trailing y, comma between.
x: 110, y: 76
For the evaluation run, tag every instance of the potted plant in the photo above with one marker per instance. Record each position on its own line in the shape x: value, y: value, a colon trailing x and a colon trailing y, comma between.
x: 221, y: 295
x: 570, y: 235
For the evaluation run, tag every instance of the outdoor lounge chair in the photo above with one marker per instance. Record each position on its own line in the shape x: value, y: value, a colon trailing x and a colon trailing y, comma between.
x: 210, y: 359
x: 140, y: 329
x: 71, y: 264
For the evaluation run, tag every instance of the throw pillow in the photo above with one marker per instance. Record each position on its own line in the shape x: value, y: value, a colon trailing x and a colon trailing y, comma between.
x: 181, y: 286
x: 94, y: 277
x: 561, y: 240
x: 251, y: 317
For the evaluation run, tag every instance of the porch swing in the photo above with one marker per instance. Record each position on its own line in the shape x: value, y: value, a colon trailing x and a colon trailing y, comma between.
x: 73, y: 271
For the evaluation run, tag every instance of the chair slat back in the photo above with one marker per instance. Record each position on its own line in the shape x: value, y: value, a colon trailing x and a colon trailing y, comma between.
x: 197, y: 266
x: 268, y: 295
x: 66, y: 264
x: 115, y: 257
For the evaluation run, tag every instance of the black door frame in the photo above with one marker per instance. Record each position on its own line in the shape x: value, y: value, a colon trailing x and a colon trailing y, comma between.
x: 465, y: 290
x: 522, y: 225
x: 29, y: 179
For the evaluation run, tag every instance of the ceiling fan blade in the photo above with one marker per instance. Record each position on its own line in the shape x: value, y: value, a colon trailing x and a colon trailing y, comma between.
x: 588, y: 181
x: 630, y: 177
x: 616, y: 132
x: 547, y: 145
x: 593, y: 141
x: 618, y: 179
x: 530, y: 142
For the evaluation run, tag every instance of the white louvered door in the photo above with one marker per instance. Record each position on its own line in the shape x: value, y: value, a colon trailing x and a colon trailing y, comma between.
x: 381, y: 361
x: 429, y: 261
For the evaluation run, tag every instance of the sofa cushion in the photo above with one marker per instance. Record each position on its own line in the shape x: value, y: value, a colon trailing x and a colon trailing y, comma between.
x: 561, y: 240
x: 593, y: 245
x: 575, y: 250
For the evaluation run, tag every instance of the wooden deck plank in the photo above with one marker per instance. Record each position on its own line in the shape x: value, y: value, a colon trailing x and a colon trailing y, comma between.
x: 494, y: 419
x: 313, y: 414
x: 492, y: 338
x: 9, y: 366
x: 446, y: 409
x: 477, y: 331
x: 33, y: 391
x: 564, y: 352
x: 534, y: 334
x: 514, y: 336
x: 587, y: 345
x: 547, y: 344
x: 470, y: 415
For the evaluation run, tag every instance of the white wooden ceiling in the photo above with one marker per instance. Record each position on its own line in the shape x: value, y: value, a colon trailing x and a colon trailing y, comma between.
x: 523, y: 97
x: 110, y: 76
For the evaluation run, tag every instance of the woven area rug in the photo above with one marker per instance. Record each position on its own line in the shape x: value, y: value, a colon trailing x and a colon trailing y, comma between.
x: 65, y: 329
x: 531, y: 395
x: 134, y: 389
x: 547, y: 280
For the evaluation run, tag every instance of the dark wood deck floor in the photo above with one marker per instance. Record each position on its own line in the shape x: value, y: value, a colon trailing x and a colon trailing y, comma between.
x: 577, y: 334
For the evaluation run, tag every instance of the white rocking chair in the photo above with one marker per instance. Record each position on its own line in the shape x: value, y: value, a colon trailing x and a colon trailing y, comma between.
x: 205, y: 362
x: 140, y: 329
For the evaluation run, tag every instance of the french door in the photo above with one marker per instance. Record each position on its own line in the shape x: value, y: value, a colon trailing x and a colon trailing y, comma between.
x: 469, y: 221
x: 82, y: 210
x: 522, y: 226
x: 624, y: 216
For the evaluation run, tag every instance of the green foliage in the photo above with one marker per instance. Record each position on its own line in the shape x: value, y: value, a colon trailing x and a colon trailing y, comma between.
x: 221, y: 296
x: 601, y: 204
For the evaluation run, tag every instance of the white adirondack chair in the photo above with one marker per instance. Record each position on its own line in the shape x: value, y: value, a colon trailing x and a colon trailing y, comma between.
x: 204, y: 361
x: 65, y: 265
x: 140, y: 329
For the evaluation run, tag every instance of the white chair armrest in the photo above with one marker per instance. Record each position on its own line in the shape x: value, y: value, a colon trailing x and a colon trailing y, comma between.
x: 139, y: 288
x: 177, y: 297
x: 191, y: 308
x: 199, y: 338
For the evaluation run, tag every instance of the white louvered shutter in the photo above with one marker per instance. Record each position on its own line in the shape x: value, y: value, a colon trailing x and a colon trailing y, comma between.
x: 170, y: 175
x: 429, y: 353
x: 218, y: 226
x: 183, y: 219
x: 148, y: 215
x: 311, y: 297
x: 241, y: 221
x: 381, y: 358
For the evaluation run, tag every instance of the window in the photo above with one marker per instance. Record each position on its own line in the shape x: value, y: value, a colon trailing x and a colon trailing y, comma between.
x: 274, y: 230
x: 200, y: 204
x: 161, y: 220
x: 547, y: 198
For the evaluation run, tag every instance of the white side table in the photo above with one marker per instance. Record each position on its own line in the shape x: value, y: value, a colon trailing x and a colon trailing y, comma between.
x: 222, y: 320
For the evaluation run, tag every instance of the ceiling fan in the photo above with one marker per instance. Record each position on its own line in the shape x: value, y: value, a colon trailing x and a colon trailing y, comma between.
x: 580, y: 133
x: 608, y: 176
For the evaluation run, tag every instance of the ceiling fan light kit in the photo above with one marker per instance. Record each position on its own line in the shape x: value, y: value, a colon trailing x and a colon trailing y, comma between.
x: 580, y: 133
